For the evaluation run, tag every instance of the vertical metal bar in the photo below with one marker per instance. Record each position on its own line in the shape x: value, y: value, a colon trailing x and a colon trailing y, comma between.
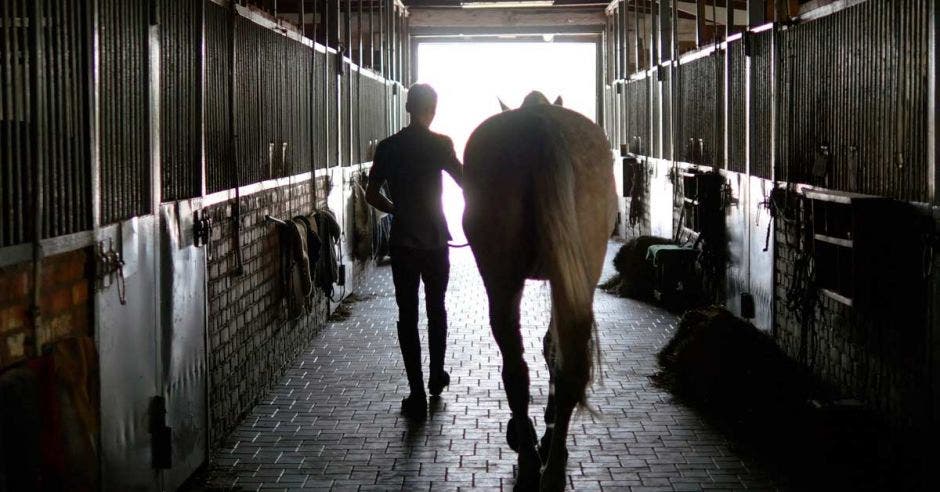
x: 77, y: 137
x: 51, y: 151
x: 700, y: 23
x: 200, y: 118
x: 615, y: 47
x: 347, y: 25
x: 927, y: 88
x: 398, y: 44
x: 66, y: 206
x: 107, y: 174
x: 720, y: 61
x: 626, y: 66
x: 913, y: 151
x: 932, y: 158
x: 636, y: 35
x: 665, y: 30
x: 44, y: 144
x: 38, y: 141
x: 121, y: 155
x: 383, y: 34
x: 654, y: 36
x: 775, y: 174
x: 91, y: 67
x: 131, y: 166
x: 724, y: 86
x: 7, y: 113
x: 233, y: 120
x: 13, y: 208
x: 347, y: 84
x: 748, y: 68
x: 22, y: 133
x: 359, y: 32
x: 884, y: 112
x: 146, y: 204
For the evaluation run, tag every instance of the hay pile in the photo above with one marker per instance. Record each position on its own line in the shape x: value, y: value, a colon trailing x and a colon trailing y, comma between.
x: 635, y: 276
x: 738, y: 378
x: 727, y: 365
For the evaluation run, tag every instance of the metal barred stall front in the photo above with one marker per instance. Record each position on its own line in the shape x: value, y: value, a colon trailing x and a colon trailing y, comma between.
x: 125, y: 122
x: 45, y: 182
x: 181, y: 97
x: 863, y: 128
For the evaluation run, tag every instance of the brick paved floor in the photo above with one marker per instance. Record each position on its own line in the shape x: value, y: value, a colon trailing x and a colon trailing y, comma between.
x: 333, y: 422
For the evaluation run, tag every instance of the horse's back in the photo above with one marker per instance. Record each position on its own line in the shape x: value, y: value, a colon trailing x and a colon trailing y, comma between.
x: 502, y: 160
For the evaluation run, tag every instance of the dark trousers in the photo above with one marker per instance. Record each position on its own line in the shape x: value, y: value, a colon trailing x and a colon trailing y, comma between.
x: 433, y: 267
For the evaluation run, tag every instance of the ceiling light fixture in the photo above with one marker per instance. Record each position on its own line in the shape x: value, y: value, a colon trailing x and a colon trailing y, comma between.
x: 506, y: 4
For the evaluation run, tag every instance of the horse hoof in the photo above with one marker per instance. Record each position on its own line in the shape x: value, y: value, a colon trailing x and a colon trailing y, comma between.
x: 512, y: 437
x: 529, y: 475
x: 552, y: 480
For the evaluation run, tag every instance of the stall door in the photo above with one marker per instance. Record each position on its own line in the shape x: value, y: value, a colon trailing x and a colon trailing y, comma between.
x: 182, y: 339
x: 126, y: 313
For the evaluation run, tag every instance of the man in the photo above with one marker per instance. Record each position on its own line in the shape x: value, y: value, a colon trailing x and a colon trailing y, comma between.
x: 411, y: 162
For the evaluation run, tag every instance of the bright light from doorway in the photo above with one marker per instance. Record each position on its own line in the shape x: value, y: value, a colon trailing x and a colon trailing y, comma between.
x: 469, y: 77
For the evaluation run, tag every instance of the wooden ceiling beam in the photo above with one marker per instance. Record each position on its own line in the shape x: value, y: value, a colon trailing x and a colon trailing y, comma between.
x: 501, y: 18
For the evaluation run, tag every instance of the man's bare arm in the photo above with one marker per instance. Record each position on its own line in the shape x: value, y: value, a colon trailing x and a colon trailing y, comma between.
x: 454, y: 167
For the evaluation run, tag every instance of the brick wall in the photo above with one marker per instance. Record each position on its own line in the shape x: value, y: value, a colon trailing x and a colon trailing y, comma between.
x: 881, y: 364
x: 250, y: 336
x: 65, y: 304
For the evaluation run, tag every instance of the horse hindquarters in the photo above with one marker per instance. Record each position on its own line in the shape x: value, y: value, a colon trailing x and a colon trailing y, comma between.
x: 566, y: 261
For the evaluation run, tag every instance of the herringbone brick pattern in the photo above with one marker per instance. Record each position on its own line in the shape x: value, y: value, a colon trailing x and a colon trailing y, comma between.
x: 333, y: 422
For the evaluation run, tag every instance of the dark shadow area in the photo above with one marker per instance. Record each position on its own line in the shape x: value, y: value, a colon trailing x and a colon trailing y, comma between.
x: 771, y: 409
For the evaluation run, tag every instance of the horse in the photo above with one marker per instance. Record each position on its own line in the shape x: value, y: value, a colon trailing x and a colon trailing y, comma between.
x: 540, y: 204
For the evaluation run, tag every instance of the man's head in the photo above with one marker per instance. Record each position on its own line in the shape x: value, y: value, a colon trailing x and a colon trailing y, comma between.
x: 421, y: 104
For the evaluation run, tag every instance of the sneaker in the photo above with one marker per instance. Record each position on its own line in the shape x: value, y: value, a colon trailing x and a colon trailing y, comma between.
x: 415, y: 408
x: 437, y: 385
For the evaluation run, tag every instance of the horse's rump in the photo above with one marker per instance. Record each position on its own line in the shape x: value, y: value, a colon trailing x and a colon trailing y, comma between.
x: 539, y: 201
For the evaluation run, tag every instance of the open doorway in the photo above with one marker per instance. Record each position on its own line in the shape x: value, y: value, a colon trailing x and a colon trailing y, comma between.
x: 470, y: 76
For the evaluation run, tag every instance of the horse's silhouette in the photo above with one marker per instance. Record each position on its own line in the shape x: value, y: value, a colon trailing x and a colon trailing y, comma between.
x: 540, y: 204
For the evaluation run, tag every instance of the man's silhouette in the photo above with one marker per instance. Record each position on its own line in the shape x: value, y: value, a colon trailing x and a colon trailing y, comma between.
x: 411, y: 162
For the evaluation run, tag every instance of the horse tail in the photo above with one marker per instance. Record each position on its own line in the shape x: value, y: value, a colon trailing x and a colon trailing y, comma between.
x: 563, y: 253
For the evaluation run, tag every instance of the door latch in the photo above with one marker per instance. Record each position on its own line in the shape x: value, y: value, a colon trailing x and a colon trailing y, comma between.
x: 109, y: 268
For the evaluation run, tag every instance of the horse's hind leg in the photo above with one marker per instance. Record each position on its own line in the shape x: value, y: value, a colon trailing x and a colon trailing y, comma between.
x: 548, y: 351
x: 504, y: 320
x: 553, y: 475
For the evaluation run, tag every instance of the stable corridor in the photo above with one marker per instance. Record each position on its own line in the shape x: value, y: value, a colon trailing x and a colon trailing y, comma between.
x: 333, y: 421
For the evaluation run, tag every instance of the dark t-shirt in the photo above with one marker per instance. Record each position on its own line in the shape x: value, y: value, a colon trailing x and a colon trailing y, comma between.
x: 411, y: 162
